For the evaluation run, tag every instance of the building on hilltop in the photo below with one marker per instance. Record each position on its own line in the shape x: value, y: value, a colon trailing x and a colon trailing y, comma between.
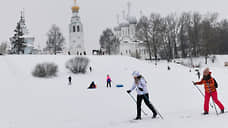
x: 126, y: 32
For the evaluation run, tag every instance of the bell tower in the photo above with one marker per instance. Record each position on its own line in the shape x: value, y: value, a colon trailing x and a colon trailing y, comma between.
x: 76, y: 32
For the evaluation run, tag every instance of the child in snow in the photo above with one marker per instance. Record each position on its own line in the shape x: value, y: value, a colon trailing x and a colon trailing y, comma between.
x: 108, y: 80
x: 210, y: 91
x: 142, y: 94
x: 92, y: 85
x: 69, y: 79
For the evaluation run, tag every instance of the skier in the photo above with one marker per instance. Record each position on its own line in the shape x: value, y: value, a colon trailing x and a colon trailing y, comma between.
x: 142, y: 94
x: 92, y: 85
x: 198, y: 74
x: 108, y: 80
x: 69, y: 79
x: 210, y: 91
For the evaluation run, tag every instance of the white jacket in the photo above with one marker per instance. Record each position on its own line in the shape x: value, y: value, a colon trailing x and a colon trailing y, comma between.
x: 141, y: 84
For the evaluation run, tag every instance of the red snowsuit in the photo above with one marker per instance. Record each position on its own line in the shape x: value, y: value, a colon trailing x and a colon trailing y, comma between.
x: 210, y: 91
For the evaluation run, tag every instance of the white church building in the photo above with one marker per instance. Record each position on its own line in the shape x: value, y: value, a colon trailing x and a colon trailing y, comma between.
x: 126, y: 32
x: 76, y: 33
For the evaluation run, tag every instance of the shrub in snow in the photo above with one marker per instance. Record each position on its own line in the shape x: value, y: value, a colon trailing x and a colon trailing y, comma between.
x: 45, y: 70
x: 77, y: 65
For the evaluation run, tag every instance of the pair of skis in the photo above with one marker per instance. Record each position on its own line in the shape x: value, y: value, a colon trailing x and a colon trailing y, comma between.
x: 150, y: 103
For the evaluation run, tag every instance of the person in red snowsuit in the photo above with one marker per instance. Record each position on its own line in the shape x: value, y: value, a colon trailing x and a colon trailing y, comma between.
x: 210, y: 91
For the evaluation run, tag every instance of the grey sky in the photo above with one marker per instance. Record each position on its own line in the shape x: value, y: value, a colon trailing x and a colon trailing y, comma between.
x: 96, y: 15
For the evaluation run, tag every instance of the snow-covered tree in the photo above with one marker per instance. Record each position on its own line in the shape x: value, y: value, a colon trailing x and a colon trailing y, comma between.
x: 56, y: 40
x: 17, y: 41
x: 109, y: 42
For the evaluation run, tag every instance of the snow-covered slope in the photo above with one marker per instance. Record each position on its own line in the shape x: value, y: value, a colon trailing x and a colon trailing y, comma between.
x: 28, y: 102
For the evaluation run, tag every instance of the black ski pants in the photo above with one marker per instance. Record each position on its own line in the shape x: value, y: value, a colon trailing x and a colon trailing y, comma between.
x: 144, y: 97
x: 108, y: 84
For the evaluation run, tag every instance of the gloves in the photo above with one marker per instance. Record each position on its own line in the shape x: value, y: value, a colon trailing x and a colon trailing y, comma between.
x: 128, y: 91
x: 194, y: 83
x: 140, y: 89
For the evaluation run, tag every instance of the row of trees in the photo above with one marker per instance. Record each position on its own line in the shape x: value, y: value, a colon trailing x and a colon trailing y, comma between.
x: 55, y: 40
x: 172, y: 36
x: 187, y: 35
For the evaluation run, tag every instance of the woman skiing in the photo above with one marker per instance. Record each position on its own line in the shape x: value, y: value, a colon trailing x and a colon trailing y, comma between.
x: 142, y: 94
x: 210, y: 91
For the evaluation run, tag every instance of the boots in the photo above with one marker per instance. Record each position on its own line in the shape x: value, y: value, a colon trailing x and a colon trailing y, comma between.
x: 222, y: 111
x: 205, y: 113
x: 137, y: 118
x: 154, y: 116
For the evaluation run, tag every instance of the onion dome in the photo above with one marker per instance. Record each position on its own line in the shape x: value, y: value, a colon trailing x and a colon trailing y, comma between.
x: 75, y: 8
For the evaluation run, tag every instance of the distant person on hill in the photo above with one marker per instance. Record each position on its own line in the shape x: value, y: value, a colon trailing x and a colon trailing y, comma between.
x: 69, y: 80
x: 108, y: 80
x: 92, y: 85
x: 90, y: 69
x: 210, y: 91
x: 169, y: 68
x: 142, y: 94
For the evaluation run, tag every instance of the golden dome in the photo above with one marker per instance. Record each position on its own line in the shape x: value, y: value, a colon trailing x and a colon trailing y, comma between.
x: 75, y: 8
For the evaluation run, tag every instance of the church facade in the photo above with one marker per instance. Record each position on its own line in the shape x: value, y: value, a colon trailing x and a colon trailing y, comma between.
x: 126, y: 32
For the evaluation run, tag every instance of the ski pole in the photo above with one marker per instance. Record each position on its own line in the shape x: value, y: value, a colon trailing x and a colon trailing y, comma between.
x: 201, y: 93
x: 136, y: 103
x: 212, y: 100
x: 154, y: 107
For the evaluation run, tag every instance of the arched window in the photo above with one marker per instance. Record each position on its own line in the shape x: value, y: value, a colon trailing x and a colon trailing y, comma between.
x: 78, y: 28
x: 74, y: 29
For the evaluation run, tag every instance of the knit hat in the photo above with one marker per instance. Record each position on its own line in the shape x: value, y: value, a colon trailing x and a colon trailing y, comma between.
x: 135, y: 74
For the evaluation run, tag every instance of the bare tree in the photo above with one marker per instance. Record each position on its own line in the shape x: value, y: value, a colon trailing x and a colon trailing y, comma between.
x: 170, y: 33
x: 222, y: 38
x: 55, y: 40
x: 194, y: 33
x: 208, y: 31
x: 155, y: 31
x: 109, y: 42
x: 183, y: 25
x: 143, y: 34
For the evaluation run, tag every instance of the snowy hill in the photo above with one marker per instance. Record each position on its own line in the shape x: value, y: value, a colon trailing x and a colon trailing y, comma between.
x: 28, y: 102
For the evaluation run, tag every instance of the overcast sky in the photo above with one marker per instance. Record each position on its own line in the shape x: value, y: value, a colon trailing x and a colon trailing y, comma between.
x: 96, y: 15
